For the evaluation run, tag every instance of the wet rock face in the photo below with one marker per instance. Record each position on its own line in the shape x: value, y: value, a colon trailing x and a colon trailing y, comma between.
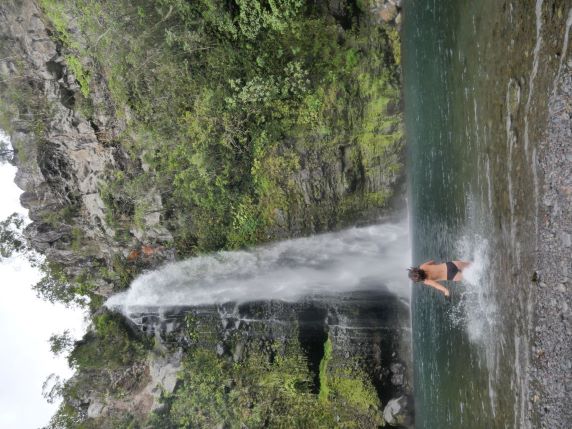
x: 369, y: 333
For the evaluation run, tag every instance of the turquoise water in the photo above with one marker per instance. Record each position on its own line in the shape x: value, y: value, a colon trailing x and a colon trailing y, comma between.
x: 477, y: 77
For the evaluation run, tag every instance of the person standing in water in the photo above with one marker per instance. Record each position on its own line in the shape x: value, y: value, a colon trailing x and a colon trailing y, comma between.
x: 431, y: 273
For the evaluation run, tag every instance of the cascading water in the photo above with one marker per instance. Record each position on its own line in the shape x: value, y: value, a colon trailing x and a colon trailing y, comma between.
x: 349, y: 260
x: 349, y: 287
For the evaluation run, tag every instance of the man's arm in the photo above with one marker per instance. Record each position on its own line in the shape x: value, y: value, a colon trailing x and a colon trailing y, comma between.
x: 437, y: 286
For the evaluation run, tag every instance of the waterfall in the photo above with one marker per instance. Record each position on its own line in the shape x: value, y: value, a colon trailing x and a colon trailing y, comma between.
x: 358, y: 258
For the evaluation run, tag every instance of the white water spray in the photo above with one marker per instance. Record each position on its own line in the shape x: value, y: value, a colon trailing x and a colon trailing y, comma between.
x: 345, y: 261
x: 478, y: 305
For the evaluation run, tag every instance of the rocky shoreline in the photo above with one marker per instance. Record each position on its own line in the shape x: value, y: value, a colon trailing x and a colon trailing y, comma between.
x: 550, y: 371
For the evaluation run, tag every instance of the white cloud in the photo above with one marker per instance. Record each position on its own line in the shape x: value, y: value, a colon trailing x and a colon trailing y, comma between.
x: 26, y: 323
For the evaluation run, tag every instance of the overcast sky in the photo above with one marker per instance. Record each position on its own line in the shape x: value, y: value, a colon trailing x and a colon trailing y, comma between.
x: 26, y: 323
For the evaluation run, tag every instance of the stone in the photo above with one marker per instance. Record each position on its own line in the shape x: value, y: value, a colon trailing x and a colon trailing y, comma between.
x: 397, y: 379
x: 163, y: 370
x: 387, y: 12
x: 396, y: 412
x: 95, y: 409
x: 513, y: 97
x: 238, y: 352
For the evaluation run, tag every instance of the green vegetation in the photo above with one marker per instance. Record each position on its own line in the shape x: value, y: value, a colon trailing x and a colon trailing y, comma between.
x: 260, y: 391
x: 229, y: 102
x: 11, y: 240
x: 61, y: 343
x: 64, y: 216
x: 111, y: 345
x: 80, y: 74
x: 56, y: 286
x: 346, y: 387
x: 324, y: 388
x: 249, y: 120
x: 268, y: 385
x: 104, y: 360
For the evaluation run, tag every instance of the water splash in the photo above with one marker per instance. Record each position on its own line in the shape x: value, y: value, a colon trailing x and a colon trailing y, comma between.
x: 353, y: 259
x: 477, y: 308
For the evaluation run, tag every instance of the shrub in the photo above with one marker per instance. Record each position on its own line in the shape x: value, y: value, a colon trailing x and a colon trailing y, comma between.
x: 111, y: 344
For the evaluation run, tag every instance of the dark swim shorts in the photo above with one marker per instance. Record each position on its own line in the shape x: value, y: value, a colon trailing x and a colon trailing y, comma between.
x: 452, y: 270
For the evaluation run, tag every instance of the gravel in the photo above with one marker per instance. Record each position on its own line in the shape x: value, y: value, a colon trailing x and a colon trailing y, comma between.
x: 550, y: 373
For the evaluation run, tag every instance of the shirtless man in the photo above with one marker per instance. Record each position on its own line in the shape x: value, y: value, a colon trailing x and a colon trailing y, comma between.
x: 431, y: 273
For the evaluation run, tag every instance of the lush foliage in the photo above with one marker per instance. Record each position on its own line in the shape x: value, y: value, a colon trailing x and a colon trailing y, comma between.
x: 110, y: 345
x: 61, y: 343
x: 264, y: 389
x: 227, y: 104
x: 250, y: 119
x: 101, y: 360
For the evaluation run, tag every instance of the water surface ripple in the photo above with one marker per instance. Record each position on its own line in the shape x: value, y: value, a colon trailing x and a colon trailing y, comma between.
x: 477, y: 77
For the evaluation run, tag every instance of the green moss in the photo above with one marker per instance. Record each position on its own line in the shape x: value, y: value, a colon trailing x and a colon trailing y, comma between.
x: 395, y: 41
x: 323, y: 376
x: 56, y: 14
x: 79, y: 72
x: 347, y: 389
x: 356, y: 391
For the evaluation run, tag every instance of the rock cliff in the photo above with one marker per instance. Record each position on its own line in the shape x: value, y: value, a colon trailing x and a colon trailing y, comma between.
x: 68, y: 130
x: 348, y: 344
x: 67, y: 151
x: 61, y: 156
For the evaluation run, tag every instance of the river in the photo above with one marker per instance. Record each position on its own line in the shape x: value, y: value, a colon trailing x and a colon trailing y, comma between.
x: 477, y: 78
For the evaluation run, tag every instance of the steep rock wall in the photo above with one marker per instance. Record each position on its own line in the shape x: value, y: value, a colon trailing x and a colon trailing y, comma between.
x: 62, y: 157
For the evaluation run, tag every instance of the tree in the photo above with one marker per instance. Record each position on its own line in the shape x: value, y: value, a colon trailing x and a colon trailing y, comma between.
x: 61, y: 343
x: 52, y: 388
x: 6, y: 152
x: 55, y: 285
x: 11, y: 238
